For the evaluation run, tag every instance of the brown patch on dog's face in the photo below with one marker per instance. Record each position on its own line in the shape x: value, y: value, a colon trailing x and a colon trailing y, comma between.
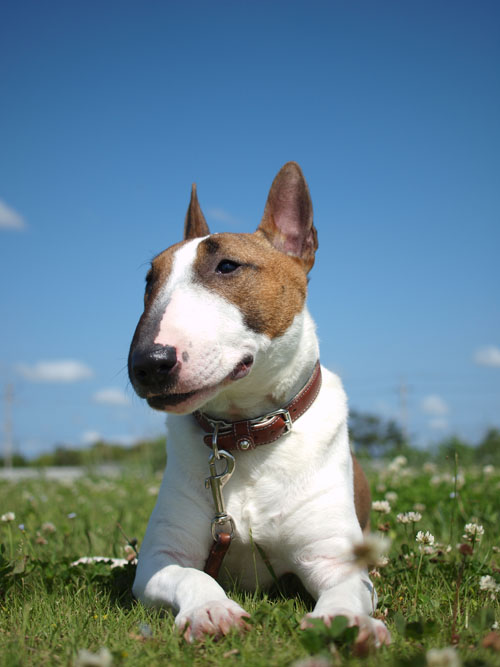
x: 267, y: 286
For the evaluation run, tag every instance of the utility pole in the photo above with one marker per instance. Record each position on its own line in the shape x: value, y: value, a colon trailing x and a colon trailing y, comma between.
x: 403, y: 408
x: 7, y: 426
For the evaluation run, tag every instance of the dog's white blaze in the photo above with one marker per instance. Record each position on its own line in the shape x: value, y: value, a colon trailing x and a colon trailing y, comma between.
x: 181, y: 274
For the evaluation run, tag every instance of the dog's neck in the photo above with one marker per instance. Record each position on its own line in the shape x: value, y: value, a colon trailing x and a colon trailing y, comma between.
x: 278, y: 374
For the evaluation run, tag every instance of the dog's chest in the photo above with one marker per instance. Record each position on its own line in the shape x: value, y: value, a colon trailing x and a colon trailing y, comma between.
x: 262, y: 509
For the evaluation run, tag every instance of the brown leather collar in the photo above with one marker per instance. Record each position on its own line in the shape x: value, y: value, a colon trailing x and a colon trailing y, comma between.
x: 249, y: 433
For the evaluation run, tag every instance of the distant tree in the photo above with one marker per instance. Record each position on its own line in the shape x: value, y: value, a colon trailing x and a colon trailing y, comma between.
x: 18, y: 461
x: 455, y: 446
x: 372, y: 434
x: 488, y: 449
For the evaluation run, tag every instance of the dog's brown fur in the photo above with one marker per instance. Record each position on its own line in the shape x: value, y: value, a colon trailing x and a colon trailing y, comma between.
x: 362, y: 497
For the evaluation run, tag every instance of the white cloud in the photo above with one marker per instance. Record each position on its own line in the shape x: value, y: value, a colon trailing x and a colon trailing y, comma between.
x: 434, y: 405
x: 10, y: 219
x: 111, y: 396
x: 220, y: 215
x: 489, y: 355
x: 59, y: 370
x: 90, y: 437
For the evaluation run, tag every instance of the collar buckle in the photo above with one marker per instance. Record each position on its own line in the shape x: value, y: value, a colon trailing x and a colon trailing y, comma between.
x: 268, y: 418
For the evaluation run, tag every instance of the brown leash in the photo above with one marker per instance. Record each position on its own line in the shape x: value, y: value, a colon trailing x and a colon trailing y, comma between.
x: 243, y: 436
x: 216, y: 555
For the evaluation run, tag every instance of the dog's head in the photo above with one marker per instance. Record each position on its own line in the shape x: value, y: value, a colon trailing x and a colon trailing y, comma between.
x: 215, y: 304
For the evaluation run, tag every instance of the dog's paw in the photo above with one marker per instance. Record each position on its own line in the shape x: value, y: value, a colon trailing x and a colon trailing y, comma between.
x: 372, y: 632
x: 215, y: 618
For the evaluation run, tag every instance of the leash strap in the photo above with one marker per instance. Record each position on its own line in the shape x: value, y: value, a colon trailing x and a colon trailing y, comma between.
x: 216, y: 555
x: 222, y: 523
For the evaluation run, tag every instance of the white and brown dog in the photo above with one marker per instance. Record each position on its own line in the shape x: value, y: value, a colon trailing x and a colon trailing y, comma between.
x: 226, y: 335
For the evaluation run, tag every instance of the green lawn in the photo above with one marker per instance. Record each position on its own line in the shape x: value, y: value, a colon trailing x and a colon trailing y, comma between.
x: 431, y: 597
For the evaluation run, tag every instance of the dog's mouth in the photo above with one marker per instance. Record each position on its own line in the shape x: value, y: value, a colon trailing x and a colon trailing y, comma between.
x: 164, y: 401
x: 188, y: 401
x: 242, y: 368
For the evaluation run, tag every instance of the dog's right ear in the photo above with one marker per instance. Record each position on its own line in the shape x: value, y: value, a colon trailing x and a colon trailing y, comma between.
x: 195, y: 224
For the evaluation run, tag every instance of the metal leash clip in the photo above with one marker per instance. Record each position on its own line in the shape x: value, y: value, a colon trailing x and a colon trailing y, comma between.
x: 215, y: 482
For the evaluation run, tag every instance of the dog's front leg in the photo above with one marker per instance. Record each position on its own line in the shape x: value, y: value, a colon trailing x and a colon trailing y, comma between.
x: 201, y: 604
x: 341, y: 589
x: 169, y: 575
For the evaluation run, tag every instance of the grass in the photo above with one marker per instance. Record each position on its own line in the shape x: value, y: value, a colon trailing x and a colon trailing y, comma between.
x: 430, y: 597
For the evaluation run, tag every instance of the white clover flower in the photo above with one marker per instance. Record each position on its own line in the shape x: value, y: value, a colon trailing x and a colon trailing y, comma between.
x: 371, y: 551
x: 426, y: 539
x: 391, y: 496
x: 419, y: 507
x: 442, y: 657
x: 383, y: 561
x: 409, y: 517
x: 488, y: 470
x: 130, y: 553
x: 443, y: 478
x: 473, y: 531
x: 48, y: 527
x: 429, y: 467
x: 487, y: 583
x: 7, y: 517
x: 313, y: 661
x: 381, y: 506
x: 102, y: 658
x: 396, y: 464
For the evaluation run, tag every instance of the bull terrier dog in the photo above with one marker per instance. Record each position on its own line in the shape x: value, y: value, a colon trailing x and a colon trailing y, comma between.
x: 257, y: 442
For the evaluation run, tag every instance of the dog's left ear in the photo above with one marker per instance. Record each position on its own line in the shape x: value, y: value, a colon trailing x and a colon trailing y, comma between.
x: 195, y: 224
x: 288, y: 216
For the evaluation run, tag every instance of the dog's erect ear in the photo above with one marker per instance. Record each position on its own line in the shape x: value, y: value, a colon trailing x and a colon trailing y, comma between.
x: 288, y: 216
x: 195, y: 224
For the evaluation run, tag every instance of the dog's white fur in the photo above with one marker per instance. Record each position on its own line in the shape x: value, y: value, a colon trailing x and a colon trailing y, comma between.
x: 294, y: 497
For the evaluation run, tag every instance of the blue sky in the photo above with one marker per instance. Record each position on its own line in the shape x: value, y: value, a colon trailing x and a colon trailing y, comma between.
x: 110, y: 110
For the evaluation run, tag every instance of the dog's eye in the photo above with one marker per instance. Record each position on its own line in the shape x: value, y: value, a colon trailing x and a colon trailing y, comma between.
x: 226, y: 266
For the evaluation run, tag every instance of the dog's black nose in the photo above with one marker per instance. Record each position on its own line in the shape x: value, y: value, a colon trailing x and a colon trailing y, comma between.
x: 152, y: 367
